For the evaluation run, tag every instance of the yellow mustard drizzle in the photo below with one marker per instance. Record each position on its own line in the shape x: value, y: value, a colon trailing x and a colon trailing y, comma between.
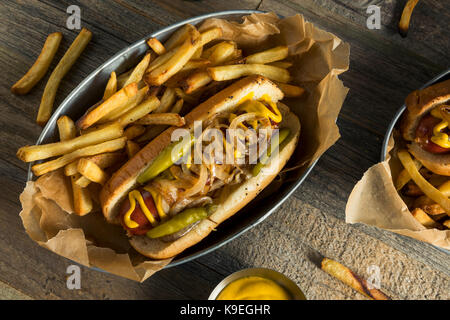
x: 133, y: 196
x: 261, y: 110
x: 158, y: 201
x: 254, y: 288
x: 440, y: 138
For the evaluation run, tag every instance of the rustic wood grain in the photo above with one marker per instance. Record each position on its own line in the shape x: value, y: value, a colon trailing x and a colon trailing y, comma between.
x: 384, y: 68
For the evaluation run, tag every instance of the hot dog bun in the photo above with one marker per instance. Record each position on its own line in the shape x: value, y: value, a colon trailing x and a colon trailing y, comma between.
x: 419, y: 103
x: 233, y: 199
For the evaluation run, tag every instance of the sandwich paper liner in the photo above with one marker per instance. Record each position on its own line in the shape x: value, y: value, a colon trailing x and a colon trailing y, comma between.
x: 318, y: 57
x: 375, y: 201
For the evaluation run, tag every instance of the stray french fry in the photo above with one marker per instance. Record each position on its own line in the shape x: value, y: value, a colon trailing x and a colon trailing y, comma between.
x: 64, y: 65
x: 156, y: 46
x: 177, y: 106
x: 405, y: 19
x: 290, y: 90
x: 40, y: 66
x: 115, y: 102
x: 108, y: 146
x: 229, y: 72
x: 195, y: 81
x: 424, y: 185
x: 138, y: 71
x: 167, y: 100
x: 39, y: 152
x: 424, y: 219
x: 170, y: 119
x: 139, y: 111
x: 111, y: 86
x: 134, y: 131
x: 271, y: 55
x: 132, y: 148
x: 66, y: 128
x: 92, y: 171
x: 82, y: 201
x: 347, y: 276
x: 176, y: 62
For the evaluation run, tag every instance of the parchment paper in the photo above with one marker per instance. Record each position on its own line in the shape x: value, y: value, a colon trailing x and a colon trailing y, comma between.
x: 375, y: 201
x: 318, y: 57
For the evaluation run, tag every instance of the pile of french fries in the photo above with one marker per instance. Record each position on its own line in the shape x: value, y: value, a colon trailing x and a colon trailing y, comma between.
x: 139, y: 104
x: 426, y: 193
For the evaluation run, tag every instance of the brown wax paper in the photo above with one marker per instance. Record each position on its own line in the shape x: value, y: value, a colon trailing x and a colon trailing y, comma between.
x: 318, y: 58
x: 375, y: 201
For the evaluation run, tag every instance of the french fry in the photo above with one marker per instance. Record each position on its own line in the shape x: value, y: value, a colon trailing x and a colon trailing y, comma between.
x: 424, y: 185
x: 405, y: 19
x: 403, y: 178
x: 290, y: 90
x: 39, y: 152
x: 210, y: 35
x: 167, y: 100
x: 71, y: 168
x: 117, y: 101
x: 64, y: 65
x: 424, y: 219
x: 108, y: 146
x: 195, y: 81
x: 176, y: 62
x: 347, y: 276
x: 66, y: 128
x: 156, y: 46
x: 40, y: 66
x: 186, y: 97
x: 446, y: 223
x: 134, y: 131
x: 122, y: 78
x: 281, y: 64
x: 82, y: 201
x: 139, y: 111
x: 151, y: 132
x: 195, y: 64
x: 131, y: 103
x: 222, y: 52
x: 178, y: 37
x: 91, y: 171
x: 229, y: 72
x: 111, y: 86
x: 198, y: 53
x: 177, y: 106
x: 138, y: 71
x: 132, y: 148
x: 267, y: 56
x: 170, y: 119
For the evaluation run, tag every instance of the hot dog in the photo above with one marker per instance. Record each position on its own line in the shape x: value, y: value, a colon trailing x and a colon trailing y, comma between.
x: 167, y: 202
x: 425, y: 126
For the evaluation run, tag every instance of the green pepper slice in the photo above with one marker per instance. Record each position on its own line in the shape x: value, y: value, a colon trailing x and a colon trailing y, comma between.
x: 165, y: 160
x: 282, y: 135
x: 178, y: 222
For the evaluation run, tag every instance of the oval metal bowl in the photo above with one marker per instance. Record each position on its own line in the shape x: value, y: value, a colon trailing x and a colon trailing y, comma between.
x: 89, y: 91
x: 384, y: 150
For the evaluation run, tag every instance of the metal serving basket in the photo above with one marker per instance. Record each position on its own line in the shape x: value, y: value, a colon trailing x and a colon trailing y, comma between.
x: 89, y: 92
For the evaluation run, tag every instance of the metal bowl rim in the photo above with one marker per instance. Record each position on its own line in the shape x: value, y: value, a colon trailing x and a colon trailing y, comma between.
x: 45, y: 132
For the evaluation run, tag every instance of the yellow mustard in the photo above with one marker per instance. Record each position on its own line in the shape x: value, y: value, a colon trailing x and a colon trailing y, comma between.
x: 134, y: 196
x: 440, y: 138
x: 253, y: 288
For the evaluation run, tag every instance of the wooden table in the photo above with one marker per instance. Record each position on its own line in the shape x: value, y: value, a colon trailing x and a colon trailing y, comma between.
x: 384, y: 68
